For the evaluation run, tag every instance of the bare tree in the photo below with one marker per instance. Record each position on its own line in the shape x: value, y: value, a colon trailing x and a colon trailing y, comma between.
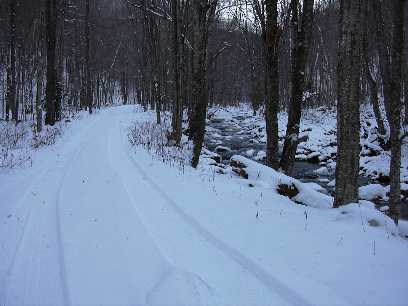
x: 272, y: 35
x: 89, y: 96
x: 178, y: 104
x: 348, y: 102
x: 51, y: 90
x: 302, y: 28
x: 390, y: 54
x: 203, y: 16
x: 372, y: 81
x: 11, y: 65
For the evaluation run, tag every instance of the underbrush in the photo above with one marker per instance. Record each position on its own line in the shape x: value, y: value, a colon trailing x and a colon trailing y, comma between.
x: 153, y: 138
x: 13, y: 144
x: 17, y: 142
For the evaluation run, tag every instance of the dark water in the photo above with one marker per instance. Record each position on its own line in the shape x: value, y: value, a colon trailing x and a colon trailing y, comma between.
x: 239, y: 138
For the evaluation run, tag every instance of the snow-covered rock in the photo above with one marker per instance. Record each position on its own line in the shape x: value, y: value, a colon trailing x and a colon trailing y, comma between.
x: 302, y: 193
x: 250, y: 152
x: 322, y: 171
x: 372, y: 192
x: 369, y: 215
x: 260, y: 155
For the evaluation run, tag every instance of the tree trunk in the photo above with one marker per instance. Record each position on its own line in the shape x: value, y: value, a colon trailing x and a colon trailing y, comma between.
x: 60, y: 60
x: 390, y: 67
x: 406, y: 84
x: 204, y: 12
x: 11, y: 103
x: 51, y: 90
x: 89, y: 97
x: 395, y: 107
x: 302, y: 36
x: 348, y: 102
x: 38, y: 102
x: 383, y: 53
x: 272, y: 83
x: 178, y: 106
x: 372, y: 83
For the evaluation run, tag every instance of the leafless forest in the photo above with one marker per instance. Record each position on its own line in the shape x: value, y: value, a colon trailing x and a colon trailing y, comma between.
x: 60, y: 56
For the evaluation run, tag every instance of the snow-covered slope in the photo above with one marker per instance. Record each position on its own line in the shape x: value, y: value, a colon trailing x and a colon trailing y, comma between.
x: 96, y: 221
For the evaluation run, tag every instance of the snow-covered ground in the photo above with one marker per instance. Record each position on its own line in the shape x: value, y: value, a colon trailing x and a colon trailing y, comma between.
x: 97, y: 220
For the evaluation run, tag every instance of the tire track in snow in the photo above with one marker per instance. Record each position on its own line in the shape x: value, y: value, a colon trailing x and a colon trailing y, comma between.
x: 270, y: 282
x: 61, y: 249
x: 171, y: 268
x: 42, y: 176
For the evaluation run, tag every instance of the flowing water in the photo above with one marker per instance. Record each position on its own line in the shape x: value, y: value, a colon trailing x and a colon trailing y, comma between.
x: 228, y: 138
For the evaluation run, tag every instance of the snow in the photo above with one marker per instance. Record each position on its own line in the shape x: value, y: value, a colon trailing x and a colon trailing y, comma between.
x: 98, y: 221
x: 250, y: 152
x: 332, y: 183
x: 372, y: 192
x: 403, y: 228
x: 260, y: 155
x: 322, y: 171
x: 266, y: 177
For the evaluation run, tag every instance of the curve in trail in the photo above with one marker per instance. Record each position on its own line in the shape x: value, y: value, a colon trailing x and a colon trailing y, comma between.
x: 264, y: 277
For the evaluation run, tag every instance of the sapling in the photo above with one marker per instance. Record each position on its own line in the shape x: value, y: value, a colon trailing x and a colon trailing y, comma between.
x: 374, y: 247
x: 305, y: 214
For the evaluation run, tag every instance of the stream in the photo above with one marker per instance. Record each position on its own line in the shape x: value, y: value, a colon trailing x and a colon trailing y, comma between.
x: 229, y: 138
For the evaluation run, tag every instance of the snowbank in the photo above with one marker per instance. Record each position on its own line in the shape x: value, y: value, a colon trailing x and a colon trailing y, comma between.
x: 283, y: 184
x: 372, y: 192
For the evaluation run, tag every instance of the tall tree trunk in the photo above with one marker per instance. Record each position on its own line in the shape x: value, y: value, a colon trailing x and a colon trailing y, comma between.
x: 372, y: 83
x: 51, y: 90
x: 38, y: 101
x: 60, y: 60
x: 11, y: 103
x: 406, y: 83
x: 390, y: 67
x: 272, y: 83
x: 178, y: 106
x: 125, y: 85
x: 348, y: 102
x: 302, y: 34
x: 89, y: 95
x: 383, y: 44
x: 396, y: 106
x: 203, y: 15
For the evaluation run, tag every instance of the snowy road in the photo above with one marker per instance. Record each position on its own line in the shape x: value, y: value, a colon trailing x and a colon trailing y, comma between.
x: 83, y: 239
x: 91, y: 226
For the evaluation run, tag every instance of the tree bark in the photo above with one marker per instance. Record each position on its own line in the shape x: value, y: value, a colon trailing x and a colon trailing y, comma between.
x: 51, y: 90
x: 89, y: 96
x: 348, y: 102
x: 203, y: 15
x: 406, y: 84
x: 11, y: 103
x: 390, y: 67
x: 302, y: 34
x: 372, y: 83
x: 38, y: 101
x: 272, y: 34
x: 395, y: 107
x: 178, y: 106
x: 60, y: 59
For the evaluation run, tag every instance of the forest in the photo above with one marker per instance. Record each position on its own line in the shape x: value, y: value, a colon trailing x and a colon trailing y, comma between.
x: 256, y: 151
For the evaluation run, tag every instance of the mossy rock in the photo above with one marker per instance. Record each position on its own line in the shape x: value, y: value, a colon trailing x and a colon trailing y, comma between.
x: 286, y: 190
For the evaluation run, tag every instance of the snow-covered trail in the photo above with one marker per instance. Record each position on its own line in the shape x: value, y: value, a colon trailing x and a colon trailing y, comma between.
x: 94, y: 227
x: 84, y: 237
